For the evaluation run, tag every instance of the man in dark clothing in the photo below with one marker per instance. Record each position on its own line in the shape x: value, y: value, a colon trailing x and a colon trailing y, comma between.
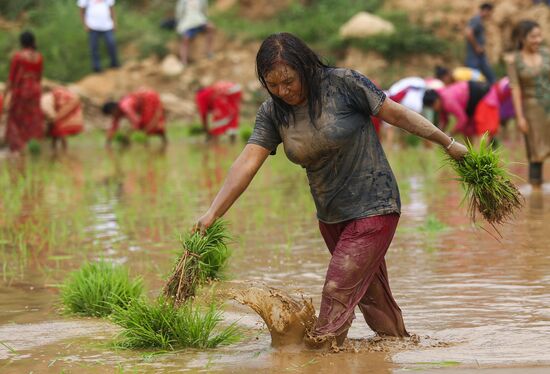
x: 475, y: 42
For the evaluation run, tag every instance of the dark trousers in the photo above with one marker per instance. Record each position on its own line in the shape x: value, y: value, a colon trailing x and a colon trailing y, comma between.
x: 109, y: 38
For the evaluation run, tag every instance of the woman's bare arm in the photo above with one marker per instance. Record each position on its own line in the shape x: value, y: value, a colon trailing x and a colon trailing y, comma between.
x: 397, y: 115
x: 239, y: 177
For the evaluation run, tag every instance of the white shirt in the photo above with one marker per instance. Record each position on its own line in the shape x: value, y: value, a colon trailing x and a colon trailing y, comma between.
x: 191, y: 14
x: 98, y: 14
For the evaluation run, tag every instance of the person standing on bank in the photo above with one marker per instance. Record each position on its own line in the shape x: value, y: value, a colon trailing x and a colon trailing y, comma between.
x: 475, y: 42
x: 322, y: 115
x: 529, y: 73
x: 98, y: 17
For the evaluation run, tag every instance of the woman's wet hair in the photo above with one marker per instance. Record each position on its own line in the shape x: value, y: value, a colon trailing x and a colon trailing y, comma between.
x: 109, y: 107
x: 27, y: 40
x: 430, y: 97
x: 290, y: 50
x: 521, y: 31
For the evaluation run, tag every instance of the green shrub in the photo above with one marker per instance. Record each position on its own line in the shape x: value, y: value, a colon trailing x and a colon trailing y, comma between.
x: 97, y: 288
x: 160, y: 325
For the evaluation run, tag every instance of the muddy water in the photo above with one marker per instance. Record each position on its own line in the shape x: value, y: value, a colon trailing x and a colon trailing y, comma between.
x: 473, y: 302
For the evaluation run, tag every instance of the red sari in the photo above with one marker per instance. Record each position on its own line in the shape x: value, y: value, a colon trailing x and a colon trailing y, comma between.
x: 25, y: 118
x: 144, y: 110
x: 222, y: 100
x: 68, y: 110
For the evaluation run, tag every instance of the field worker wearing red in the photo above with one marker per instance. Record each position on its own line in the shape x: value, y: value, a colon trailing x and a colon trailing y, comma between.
x: 63, y: 111
x: 322, y: 116
x: 222, y: 101
x: 143, y: 109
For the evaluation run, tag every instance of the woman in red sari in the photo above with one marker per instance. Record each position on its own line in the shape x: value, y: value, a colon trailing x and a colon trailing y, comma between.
x: 143, y: 109
x: 63, y: 111
x: 25, y: 119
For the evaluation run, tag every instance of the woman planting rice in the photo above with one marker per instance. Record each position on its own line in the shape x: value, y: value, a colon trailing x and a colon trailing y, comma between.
x: 322, y: 117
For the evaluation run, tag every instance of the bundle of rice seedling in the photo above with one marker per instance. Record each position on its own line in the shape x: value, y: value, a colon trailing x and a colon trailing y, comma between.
x: 488, y: 187
x: 34, y: 147
x: 138, y: 137
x: 202, y: 259
x: 121, y: 139
x: 96, y: 288
x: 195, y: 130
x: 160, y: 325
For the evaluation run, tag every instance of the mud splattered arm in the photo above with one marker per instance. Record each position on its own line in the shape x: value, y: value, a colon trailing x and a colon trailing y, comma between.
x: 399, y: 116
x: 239, y: 177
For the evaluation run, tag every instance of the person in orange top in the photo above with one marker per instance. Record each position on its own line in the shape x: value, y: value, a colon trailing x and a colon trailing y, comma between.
x: 63, y: 111
x: 143, y: 109
x: 25, y: 119
x: 222, y: 100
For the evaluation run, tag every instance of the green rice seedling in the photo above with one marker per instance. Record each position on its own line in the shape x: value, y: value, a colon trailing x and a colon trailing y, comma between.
x: 245, y: 133
x: 96, y: 288
x: 160, y: 325
x: 138, y: 137
x: 195, y: 130
x: 487, y: 184
x: 121, y: 139
x: 34, y: 147
x: 202, y: 259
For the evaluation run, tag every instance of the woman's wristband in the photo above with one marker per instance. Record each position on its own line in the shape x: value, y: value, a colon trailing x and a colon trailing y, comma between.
x: 450, y: 144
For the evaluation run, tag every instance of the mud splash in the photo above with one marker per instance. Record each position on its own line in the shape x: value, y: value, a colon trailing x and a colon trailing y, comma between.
x: 287, y: 319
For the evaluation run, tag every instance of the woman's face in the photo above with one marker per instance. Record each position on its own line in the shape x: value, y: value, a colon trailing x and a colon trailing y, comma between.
x: 533, y: 40
x: 284, y: 82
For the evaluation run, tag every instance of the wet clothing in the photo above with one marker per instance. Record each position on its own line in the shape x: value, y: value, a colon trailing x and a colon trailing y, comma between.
x: 25, y: 119
x: 349, y: 175
x: 222, y: 100
x: 64, y: 110
x: 473, y: 59
x: 357, y: 275
x: 535, y: 96
x: 144, y: 110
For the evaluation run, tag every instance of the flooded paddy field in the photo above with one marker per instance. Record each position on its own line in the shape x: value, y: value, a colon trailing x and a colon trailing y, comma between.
x: 473, y: 302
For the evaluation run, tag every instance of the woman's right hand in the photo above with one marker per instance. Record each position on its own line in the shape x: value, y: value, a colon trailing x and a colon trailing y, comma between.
x: 522, y: 125
x: 203, y: 223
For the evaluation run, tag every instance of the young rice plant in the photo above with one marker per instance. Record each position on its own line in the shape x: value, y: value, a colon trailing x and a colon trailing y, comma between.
x: 487, y: 184
x: 160, y: 325
x: 96, y: 288
x: 202, y: 259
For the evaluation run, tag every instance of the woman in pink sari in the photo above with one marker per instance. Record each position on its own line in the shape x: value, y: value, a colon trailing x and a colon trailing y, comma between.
x: 25, y: 118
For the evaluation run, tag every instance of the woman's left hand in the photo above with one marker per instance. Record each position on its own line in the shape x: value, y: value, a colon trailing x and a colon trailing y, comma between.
x: 457, y: 151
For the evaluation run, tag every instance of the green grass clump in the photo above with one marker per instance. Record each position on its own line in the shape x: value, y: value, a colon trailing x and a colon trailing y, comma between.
x: 160, y: 325
x: 202, y: 259
x: 97, y: 288
x: 488, y: 187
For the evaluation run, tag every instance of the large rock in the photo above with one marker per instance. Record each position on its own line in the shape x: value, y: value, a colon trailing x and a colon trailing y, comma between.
x: 364, y: 24
x: 171, y: 66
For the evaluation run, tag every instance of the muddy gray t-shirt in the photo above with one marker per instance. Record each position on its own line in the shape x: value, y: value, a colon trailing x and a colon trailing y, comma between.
x: 349, y: 175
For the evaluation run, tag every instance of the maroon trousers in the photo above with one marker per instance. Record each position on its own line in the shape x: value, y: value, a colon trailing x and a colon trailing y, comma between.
x: 357, y: 275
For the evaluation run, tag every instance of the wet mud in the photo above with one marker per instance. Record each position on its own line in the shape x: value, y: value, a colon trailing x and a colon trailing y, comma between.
x: 286, y: 318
